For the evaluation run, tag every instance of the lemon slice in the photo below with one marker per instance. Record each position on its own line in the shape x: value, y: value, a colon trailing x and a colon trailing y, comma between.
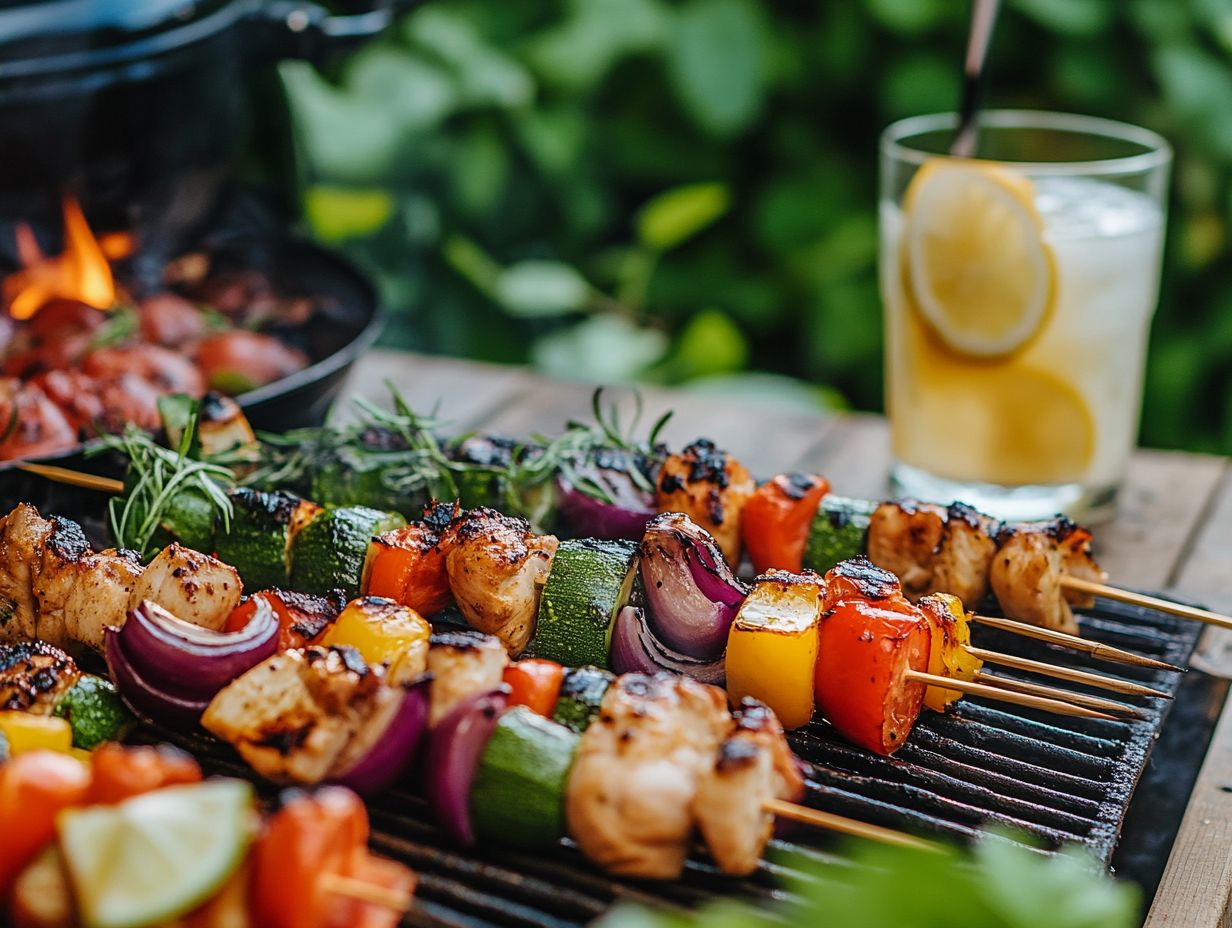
x: 1019, y: 425
x: 976, y: 262
x: 155, y: 857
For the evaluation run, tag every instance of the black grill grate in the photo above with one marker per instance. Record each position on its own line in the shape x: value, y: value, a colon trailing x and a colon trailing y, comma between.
x: 1057, y: 778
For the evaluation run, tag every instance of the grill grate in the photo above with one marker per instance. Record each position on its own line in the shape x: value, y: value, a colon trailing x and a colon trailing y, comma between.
x: 1056, y: 778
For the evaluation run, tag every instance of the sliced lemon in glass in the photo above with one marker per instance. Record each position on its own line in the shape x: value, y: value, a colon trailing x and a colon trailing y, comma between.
x: 157, y: 856
x: 977, y: 265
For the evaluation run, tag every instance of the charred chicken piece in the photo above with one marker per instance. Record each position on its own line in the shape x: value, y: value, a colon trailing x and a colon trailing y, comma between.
x: 630, y: 798
x: 753, y: 766
x: 22, y: 533
x: 1030, y: 564
x: 196, y: 587
x: 293, y: 716
x: 964, y: 556
x: 462, y: 664
x: 903, y: 538
x: 711, y: 487
x: 497, y: 568
x: 33, y: 677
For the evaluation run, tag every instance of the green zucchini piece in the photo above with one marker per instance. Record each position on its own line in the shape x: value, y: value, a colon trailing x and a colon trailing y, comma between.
x: 839, y: 531
x: 190, y: 519
x: 581, y: 694
x: 259, y: 542
x: 329, y: 552
x: 94, y: 712
x: 518, y: 795
x: 589, y: 582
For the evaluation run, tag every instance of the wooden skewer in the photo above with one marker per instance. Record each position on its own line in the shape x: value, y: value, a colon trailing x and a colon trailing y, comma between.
x: 848, y: 826
x: 1052, y: 692
x: 1067, y: 673
x: 996, y: 692
x: 1096, y: 649
x: 1146, y: 602
x: 74, y: 478
x: 364, y: 891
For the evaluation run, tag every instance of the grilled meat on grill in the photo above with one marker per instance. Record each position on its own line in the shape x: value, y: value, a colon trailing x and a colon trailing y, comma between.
x: 462, y: 664
x: 496, y: 568
x: 33, y: 677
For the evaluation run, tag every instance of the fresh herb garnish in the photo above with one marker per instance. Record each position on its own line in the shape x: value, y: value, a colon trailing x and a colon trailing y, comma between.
x: 120, y: 326
x: 156, y: 477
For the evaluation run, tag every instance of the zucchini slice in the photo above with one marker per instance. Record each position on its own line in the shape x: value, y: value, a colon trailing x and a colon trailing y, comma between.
x: 259, y: 542
x: 839, y: 531
x: 518, y: 796
x: 330, y: 551
x: 581, y: 694
x: 589, y: 583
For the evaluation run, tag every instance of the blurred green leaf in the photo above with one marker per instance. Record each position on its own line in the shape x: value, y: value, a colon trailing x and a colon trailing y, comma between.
x: 579, y: 51
x: 603, y: 349
x: 675, y: 216
x: 1084, y: 18
x: 340, y: 213
x: 541, y: 288
x: 709, y: 344
x: 412, y: 93
x: 716, y: 59
x: 921, y: 82
x: 486, y: 76
x: 909, y: 17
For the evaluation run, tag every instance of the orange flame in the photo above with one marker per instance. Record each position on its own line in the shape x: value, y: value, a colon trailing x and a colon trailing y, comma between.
x: 81, y: 273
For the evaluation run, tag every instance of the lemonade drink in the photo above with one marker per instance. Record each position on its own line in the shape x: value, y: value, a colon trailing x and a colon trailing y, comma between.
x: 1017, y: 309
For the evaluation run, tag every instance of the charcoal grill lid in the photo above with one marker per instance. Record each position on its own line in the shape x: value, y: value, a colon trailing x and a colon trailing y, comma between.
x: 52, y: 36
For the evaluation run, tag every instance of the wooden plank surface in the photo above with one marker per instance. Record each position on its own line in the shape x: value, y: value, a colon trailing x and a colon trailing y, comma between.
x: 1173, y: 531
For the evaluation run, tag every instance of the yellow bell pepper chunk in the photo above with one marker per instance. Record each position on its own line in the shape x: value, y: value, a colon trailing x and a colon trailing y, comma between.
x: 384, y: 632
x: 25, y: 732
x: 948, y: 657
x: 772, y: 645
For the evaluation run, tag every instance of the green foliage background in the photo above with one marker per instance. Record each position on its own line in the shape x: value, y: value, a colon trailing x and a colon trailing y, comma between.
x: 684, y: 190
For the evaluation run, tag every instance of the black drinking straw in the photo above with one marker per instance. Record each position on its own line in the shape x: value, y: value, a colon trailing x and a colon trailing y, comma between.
x: 983, y: 19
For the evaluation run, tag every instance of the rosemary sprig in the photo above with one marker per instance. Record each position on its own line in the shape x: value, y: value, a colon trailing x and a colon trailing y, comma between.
x: 158, y: 476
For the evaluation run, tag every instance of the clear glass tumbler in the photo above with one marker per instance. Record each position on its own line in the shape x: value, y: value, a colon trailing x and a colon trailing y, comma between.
x: 1018, y: 290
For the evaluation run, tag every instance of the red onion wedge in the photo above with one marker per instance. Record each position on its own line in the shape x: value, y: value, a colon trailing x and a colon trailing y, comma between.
x: 691, y: 593
x: 397, y: 745
x: 623, y: 517
x: 454, y: 748
x: 193, y: 662
x: 146, y: 700
x: 636, y: 650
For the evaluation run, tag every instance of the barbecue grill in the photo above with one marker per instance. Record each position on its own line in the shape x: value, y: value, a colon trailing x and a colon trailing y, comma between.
x: 1050, y: 779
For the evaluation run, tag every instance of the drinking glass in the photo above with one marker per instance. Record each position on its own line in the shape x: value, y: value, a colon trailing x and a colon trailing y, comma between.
x: 1018, y: 291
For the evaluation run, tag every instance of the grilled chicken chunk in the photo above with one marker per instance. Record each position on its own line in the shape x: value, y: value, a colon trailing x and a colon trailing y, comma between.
x: 79, y: 592
x: 1030, y: 564
x: 462, y: 664
x: 292, y: 716
x: 33, y: 677
x: 194, y: 586
x: 629, y: 800
x: 964, y: 555
x: 709, y: 486
x: 497, y: 568
x: 754, y: 765
x: 903, y: 538
x: 22, y: 533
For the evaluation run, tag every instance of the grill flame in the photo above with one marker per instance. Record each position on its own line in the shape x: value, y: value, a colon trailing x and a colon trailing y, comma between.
x: 82, y: 272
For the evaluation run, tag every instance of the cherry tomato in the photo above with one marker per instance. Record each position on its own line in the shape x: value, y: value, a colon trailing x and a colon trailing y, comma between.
x: 120, y: 772
x: 31, y: 425
x: 34, y: 788
x: 310, y: 837
x: 775, y: 522
x: 864, y: 651
x: 239, y: 360
x: 535, y: 683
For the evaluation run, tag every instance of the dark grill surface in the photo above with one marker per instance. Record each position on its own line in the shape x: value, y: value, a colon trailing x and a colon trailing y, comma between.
x: 1060, y: 779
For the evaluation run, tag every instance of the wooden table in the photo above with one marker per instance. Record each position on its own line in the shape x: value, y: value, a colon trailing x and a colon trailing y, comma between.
x: 1173, y: 533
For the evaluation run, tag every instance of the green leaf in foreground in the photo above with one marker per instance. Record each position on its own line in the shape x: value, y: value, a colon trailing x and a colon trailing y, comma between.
x: 1000, y: 884
x: 676, y: 215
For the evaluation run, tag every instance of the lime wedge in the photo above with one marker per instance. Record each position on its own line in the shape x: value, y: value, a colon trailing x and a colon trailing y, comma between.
x: 157, y: 856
